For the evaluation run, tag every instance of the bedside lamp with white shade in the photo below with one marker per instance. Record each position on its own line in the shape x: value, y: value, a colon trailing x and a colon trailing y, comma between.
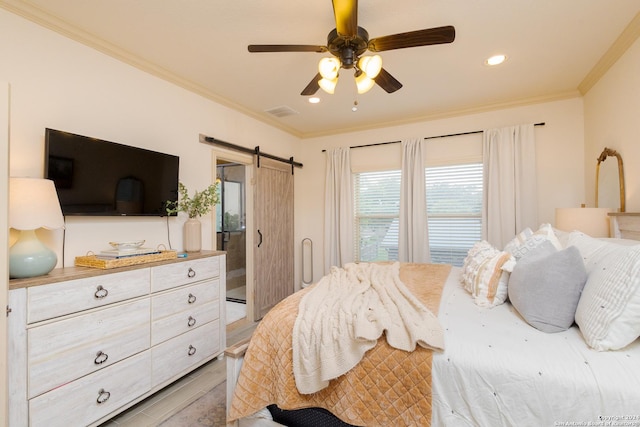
x: 591, y: 221
x: 33, y: 204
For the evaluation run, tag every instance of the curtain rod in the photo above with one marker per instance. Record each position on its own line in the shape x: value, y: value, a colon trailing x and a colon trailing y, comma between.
x: 427, y: 137
x: 256, y: 151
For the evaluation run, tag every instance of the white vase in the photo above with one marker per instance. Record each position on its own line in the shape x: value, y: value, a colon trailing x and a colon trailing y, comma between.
x: 192, y: 235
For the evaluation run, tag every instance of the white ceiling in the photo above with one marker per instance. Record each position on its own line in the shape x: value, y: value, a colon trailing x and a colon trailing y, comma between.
x: 552, y: 46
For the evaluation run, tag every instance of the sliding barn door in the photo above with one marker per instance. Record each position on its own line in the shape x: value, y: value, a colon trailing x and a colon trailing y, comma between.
x: 273, y: 250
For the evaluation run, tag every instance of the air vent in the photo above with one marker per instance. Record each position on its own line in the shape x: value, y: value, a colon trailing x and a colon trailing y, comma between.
x: 282, y: 111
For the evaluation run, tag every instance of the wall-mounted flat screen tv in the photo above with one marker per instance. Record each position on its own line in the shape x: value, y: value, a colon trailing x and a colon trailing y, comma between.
x: 101, y: 178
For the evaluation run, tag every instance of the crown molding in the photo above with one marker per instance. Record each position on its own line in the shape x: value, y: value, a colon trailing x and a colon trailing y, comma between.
x: 611, y: 56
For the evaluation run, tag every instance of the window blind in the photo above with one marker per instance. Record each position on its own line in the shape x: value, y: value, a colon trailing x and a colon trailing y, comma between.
x: 454, y: 210
x: 377, y: 211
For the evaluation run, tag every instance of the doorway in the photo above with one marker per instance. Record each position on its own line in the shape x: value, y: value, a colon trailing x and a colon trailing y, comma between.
x: 255, y: 229
x: 231, y: 234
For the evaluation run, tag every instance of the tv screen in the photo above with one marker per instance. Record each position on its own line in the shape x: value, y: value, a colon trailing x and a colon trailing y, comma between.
x: 102, y: 178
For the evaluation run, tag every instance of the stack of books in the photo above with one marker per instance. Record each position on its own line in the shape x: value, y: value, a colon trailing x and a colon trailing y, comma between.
x: 120, y: 253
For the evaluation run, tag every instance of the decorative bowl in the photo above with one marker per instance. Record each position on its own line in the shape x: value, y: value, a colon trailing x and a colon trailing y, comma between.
x: 127, y: 246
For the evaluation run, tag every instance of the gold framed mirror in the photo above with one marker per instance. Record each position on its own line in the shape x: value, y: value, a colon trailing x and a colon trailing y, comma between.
x: 610, y: 181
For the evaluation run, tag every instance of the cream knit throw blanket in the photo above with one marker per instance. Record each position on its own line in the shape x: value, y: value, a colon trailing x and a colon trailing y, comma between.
x: 345, y: 313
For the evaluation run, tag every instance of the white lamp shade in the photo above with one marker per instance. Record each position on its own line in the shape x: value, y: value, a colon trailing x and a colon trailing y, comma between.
x: 33, y: 204
x: 364, y: 83
x: 591, y: 221
x: 370, y: 65
x: 328, y: 86
x: 329, y: 67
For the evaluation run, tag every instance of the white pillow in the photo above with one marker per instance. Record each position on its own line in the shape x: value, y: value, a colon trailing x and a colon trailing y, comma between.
x: 625, y: 242
x: 527, y: 240
x: 593, y: 250
x: 485, y: 274
x: 562, y: 236
x: 608, y: 312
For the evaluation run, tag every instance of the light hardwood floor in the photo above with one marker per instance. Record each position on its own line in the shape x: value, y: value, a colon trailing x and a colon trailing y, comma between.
x: 174, y: 398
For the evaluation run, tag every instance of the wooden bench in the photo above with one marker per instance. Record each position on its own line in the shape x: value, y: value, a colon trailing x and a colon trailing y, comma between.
x: 235, y: 357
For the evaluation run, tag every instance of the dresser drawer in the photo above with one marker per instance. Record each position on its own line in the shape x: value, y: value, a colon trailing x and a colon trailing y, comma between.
x: 90, y: 398
x: 179, y: 323
x: 58, y: 299
x: 174, y: 357
x: 184, y: 298
x: 61, y: 351
x: 171, y: 275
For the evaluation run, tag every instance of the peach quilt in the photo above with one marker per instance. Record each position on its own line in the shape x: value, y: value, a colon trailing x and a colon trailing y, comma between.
x: 388, y: 387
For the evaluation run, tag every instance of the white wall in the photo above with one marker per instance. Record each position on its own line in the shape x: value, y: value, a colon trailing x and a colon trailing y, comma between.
x: 612, y: 119
x: 61, y: 84
x: 560, y: 161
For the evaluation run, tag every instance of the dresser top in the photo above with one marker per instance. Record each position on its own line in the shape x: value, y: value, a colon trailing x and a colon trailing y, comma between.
x: 72, y: 273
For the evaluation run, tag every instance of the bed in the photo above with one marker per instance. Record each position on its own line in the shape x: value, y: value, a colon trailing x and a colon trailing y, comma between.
x: 499, y: 366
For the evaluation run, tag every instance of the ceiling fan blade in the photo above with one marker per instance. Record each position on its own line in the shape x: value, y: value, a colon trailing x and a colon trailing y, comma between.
x: 346, y: 15
x: 286, y: 48
x: 387, y: 82
x: 438, y: 35
x: 312, y: 87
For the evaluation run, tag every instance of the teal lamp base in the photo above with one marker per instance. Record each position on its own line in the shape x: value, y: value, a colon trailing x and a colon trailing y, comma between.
x: 29, y: 257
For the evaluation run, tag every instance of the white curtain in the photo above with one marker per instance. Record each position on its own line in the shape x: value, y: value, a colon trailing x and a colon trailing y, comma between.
x: 510, y: 196
x: 338, y: 215
x: 413, y: 241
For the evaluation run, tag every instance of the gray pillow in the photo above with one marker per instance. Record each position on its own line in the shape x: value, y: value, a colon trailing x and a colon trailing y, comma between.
x: 545, y: 287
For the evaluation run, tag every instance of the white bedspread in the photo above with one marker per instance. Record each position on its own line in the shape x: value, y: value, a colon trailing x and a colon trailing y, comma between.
x: 497, y: 370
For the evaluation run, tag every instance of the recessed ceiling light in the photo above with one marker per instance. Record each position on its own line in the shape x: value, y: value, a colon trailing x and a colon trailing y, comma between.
x: 314, y: 100
x: 496, y: 60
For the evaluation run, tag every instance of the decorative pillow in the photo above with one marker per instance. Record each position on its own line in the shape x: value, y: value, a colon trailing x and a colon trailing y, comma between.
x: 593, y: 250
x: 562, y: 236
x: 485, y: 274
x: 608, y: 313
x: 528, y: 240
x: 545, y: 287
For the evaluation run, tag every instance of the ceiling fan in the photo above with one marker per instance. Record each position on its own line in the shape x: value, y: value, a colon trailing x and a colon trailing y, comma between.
x: 348, y: 42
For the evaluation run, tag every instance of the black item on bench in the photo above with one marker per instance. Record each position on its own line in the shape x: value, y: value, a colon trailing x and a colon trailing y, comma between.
x: 308, y: 417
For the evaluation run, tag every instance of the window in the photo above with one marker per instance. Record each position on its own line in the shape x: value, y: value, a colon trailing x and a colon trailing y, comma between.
x: 454, y: 209
x: 377, y: 213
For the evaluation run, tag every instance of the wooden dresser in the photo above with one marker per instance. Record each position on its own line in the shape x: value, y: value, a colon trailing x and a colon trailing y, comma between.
x: 86, y: 344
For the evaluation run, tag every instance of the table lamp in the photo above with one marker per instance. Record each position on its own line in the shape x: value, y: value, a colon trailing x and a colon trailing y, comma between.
x: 591, y: 221
x: 33, y: 204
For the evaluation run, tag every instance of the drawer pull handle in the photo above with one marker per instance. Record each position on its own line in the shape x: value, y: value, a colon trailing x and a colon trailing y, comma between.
x: 192, y: 298
x: 192, y: 350
x: 101, y: 358
x: 101, y: 292
x: 191, y: 273
x: 191, y: 321
x: 103, y: 396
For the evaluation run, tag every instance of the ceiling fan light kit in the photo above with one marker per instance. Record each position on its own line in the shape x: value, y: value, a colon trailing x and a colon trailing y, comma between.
x: 348, y: 42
